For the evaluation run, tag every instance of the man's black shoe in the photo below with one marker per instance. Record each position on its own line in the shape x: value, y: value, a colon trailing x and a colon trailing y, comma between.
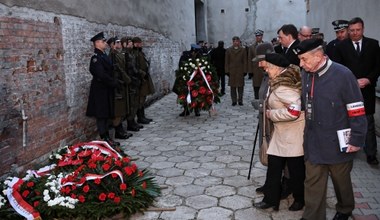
x: 143, y: 121
x: 133, y: 128
x: 264, y: 205
x: 372, y: 160
x: 184, y: 113
x: 240, y: 103
x: 341, y: 216
x: 296, y: 206
x: 122, y: 135
x: 234, y: 103
x: 260, y: 190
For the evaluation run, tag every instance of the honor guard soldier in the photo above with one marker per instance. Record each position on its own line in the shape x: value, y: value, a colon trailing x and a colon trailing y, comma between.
x: 102, y: 90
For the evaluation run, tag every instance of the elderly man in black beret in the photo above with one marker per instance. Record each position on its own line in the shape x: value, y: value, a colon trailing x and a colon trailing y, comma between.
x: 101, y: 99
x: 333, y: 102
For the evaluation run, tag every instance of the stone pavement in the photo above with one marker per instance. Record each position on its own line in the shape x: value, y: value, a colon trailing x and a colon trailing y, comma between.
x: 203, y: 163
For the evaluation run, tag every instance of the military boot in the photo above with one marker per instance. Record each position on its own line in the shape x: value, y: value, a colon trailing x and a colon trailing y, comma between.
x: 132, y: 126
x: 120, y: 133
x: 143, y: 115
x: 140, y: 117
x: 106, y: 138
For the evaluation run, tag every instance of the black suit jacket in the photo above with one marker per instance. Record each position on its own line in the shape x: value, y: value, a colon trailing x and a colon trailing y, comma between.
x: 291, y: 56
x: 363, y: 65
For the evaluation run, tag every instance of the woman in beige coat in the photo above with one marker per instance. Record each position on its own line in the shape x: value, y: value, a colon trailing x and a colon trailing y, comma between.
x: 283, y: 108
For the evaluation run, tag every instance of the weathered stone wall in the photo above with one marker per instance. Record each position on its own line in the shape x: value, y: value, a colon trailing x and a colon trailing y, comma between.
x: 245, y: 16
x: 44, y: 65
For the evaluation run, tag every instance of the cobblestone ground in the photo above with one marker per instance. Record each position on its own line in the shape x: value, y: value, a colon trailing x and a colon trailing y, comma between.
x: 203, y: 164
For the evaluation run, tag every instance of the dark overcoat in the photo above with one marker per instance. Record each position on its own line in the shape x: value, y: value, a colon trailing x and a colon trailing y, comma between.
x: 236, y: 65
x: 363, y: 65
x: 101, y: 99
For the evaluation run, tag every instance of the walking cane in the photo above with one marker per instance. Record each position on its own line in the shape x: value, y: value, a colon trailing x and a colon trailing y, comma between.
x: 253, y: 151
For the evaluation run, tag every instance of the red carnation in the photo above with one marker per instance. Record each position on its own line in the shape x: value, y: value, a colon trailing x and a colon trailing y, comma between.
x: 141, y: 174
x: 208, y: 77
x: 194, y: 93
x: 128, y: 170
x: 114, y: 175
x: 123, y: 186
x: 73, y: 196
x: 202, y: 90
x: 81, y: 198
x: 106, y: 167
x: 102, y: 197
x: 111, y: 195
x: 190, y: 83
x: 182, y: 97
x: 37, y: 192
x: 25, y: 193
x: 118, y: 163
x: 97, y: 181
x: 86, y: 188
x: 92, y: 165
x: 133, y: 192
x: 116, y: 199
x: 30, y: 184
x: 36, y: 203
x: 143, y: 185
x: 126, y: 160
x: 193, y: 104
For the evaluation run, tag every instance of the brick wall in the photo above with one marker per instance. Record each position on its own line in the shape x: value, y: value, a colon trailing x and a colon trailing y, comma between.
x: 44, y: 68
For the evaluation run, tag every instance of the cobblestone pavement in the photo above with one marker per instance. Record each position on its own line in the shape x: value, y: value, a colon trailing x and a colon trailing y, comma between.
x: 203, y: 163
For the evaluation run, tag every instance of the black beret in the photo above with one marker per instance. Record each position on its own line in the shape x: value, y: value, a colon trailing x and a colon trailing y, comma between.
x: 259, y: 32
x: 261, y: 50
x: 111, y: 40
x: 307, y: 45
x: 136, y: 40
x: 99, y: 36
x: 277, y: 59
x: 339, y: 24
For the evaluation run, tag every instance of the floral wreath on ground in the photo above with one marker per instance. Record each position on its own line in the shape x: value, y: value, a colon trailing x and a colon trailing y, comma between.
x: 85, y: 181
x: 197, y: 84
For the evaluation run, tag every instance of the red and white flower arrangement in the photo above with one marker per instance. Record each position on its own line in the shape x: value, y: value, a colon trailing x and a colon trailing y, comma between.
x: 87, y: 180
x: 197, y: 84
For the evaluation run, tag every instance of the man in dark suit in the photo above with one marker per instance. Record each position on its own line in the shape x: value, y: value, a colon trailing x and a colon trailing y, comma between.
x: 288, y: 37
x: 362, y: 56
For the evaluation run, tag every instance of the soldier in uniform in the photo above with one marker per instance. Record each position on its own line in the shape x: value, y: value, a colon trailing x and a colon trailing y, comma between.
x: 102, y: 90
x: 134, y: 86
x: 121, y: 94
x: 341, y: 32
x: 236, y: 68
x: 253, y: 67
x: 147, y: 87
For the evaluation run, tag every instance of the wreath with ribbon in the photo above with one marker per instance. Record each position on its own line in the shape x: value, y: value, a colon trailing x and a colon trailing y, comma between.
x: 84, y: 181
x: 197, y: 84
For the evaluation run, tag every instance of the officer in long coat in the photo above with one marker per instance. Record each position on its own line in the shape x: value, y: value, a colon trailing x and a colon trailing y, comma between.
x: 236, y: 67
x: 101, y: 99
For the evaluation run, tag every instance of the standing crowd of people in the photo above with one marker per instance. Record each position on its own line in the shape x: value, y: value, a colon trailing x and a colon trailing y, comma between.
x: 306, y: 92
x: 119, y: 87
